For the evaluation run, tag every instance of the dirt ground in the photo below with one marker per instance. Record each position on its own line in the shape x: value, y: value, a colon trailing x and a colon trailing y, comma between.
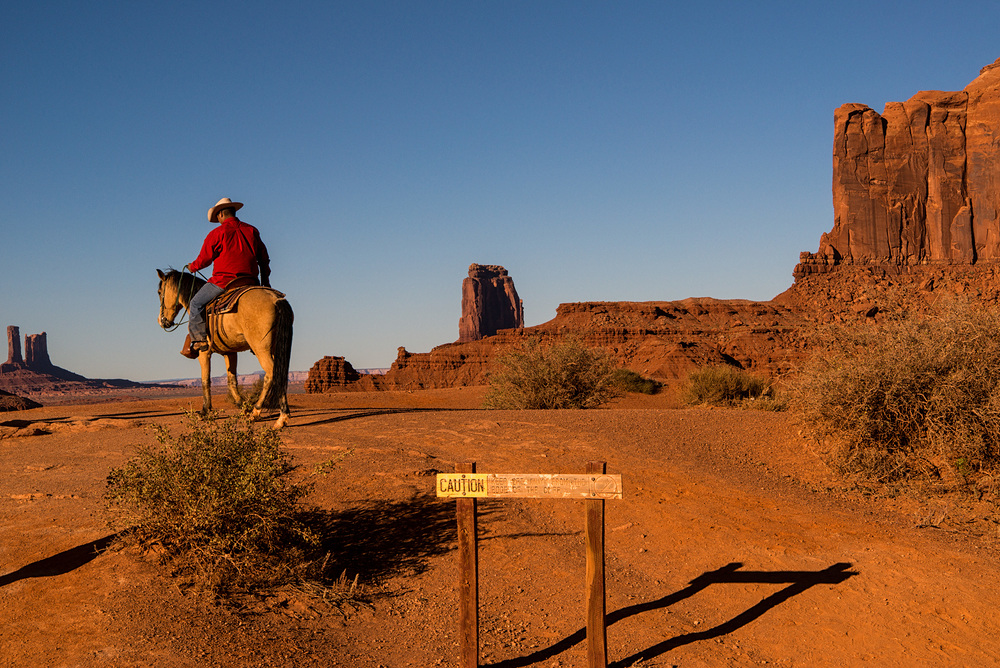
x: 734, y: 545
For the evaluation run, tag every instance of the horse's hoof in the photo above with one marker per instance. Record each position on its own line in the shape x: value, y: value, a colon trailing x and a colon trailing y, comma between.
x: 282, y: 421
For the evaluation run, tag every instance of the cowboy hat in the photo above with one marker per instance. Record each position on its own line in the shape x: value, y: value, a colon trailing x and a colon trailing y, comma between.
x: 224, y: 203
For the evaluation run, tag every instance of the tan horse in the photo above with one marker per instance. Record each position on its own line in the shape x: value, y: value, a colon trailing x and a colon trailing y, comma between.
x: 261, y: 322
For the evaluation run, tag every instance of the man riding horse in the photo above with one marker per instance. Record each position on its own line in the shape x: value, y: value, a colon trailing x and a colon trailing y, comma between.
x: 237, y: 255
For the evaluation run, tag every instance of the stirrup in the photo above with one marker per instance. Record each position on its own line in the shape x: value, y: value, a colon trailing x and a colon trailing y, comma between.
x: 191, y: 349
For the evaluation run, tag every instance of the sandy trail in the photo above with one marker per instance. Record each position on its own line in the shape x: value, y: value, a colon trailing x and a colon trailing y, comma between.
x: 734, y: 546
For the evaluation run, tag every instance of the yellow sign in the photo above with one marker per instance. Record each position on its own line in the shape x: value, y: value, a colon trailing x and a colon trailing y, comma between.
x: 468, y: 485
x: 530, y: 485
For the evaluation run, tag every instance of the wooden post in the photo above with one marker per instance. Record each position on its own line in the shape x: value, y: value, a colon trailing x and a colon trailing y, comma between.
x: 594, y: 486
x: 468, y: 577
x: 597, y: 637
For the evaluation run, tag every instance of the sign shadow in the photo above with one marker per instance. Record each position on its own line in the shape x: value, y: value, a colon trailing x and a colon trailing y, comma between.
x: 797, y: 581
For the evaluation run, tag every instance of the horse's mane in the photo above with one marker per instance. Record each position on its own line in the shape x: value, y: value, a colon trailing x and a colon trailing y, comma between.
x: 173, y: 277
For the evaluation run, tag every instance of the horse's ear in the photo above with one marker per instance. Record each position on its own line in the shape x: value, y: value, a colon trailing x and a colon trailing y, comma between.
x: 161, y: 274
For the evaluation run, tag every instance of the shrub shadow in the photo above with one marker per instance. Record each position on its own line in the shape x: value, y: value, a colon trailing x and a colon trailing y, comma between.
x: 381, y: 539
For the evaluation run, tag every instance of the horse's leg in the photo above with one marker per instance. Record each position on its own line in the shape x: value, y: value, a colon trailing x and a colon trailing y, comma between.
x: 205, y: 359
x: 283, y: 414
x: 231, y: 380
x: 267, y: 364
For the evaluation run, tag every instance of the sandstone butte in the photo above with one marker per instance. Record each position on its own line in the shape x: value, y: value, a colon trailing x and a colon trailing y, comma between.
x: 489, y: 303
x: 916, y: 196
x: 34, y: 373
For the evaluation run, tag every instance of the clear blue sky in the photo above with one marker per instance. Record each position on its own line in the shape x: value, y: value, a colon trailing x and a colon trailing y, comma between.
x: 599, y: 151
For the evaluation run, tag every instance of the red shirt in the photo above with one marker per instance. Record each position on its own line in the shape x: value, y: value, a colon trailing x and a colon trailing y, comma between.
x: 234, y: 250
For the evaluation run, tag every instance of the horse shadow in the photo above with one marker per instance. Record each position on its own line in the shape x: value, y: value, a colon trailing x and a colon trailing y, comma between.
x: 314, y: 417
x: 797, y: 581
x: 61, y: 563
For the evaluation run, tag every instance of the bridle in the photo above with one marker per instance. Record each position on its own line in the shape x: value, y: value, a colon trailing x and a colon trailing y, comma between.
x: 177, y: 301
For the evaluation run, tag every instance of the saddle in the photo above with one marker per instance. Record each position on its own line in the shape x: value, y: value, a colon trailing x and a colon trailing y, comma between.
x: 226, y: 302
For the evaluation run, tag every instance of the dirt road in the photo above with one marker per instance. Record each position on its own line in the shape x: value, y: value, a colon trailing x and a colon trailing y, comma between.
x: 733, y: 546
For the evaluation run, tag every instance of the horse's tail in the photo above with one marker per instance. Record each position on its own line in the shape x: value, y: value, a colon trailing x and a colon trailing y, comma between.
x: 281, y: 352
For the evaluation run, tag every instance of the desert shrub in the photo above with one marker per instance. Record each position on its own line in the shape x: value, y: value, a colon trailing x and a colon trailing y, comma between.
x: 218, y: 501
x: 725, y: 386
x: 627, y: 380
x: 562, y: 375
x: 908, y: 396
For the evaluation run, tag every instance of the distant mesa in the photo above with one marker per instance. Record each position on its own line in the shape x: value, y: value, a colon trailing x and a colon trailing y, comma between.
x: 35, y: 360
x: 33, y: 373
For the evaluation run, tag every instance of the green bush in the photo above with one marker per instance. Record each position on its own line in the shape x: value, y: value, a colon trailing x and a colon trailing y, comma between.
x: 627, y: 380
x: 725, y: 386
x: 908, y: 397
x: 563, y: 375
x: 219, y: 503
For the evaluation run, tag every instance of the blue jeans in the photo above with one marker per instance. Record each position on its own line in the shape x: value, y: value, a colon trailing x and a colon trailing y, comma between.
x: 196, y: 323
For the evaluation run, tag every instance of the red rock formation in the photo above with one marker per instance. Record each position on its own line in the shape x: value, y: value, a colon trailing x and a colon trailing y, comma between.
x: 330, y: 372
x: 489, y: 303
x: 917, y: 216
x: 14, y: 345
x: 663, y: 340
x: 36, y: 375
x: 36, y: 352
x: 334, y: 374
x: 918, y: 183
x: 668, y: 340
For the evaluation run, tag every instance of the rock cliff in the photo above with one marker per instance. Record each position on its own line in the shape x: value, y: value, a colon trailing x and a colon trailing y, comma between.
x: 918, y: 183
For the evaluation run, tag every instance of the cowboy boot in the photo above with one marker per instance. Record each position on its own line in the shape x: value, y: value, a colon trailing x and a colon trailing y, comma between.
x: 190, y: 350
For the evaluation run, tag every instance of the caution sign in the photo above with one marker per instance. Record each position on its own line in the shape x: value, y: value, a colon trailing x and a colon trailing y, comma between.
x: 468, y: 485
x: 529, y: 485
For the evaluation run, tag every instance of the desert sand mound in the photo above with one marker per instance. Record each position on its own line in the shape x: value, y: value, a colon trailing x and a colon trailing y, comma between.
x: 12, y: 402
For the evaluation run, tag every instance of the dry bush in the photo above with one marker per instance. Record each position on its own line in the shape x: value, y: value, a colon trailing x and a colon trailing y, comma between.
x: 562, y: 375
x: 913, y: 395
x: 728, y: 386
x: 219, y: 503
x: 626, y: 380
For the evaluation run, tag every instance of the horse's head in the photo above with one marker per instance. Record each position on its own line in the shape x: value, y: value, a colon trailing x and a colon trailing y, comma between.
x: 170, y: 302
